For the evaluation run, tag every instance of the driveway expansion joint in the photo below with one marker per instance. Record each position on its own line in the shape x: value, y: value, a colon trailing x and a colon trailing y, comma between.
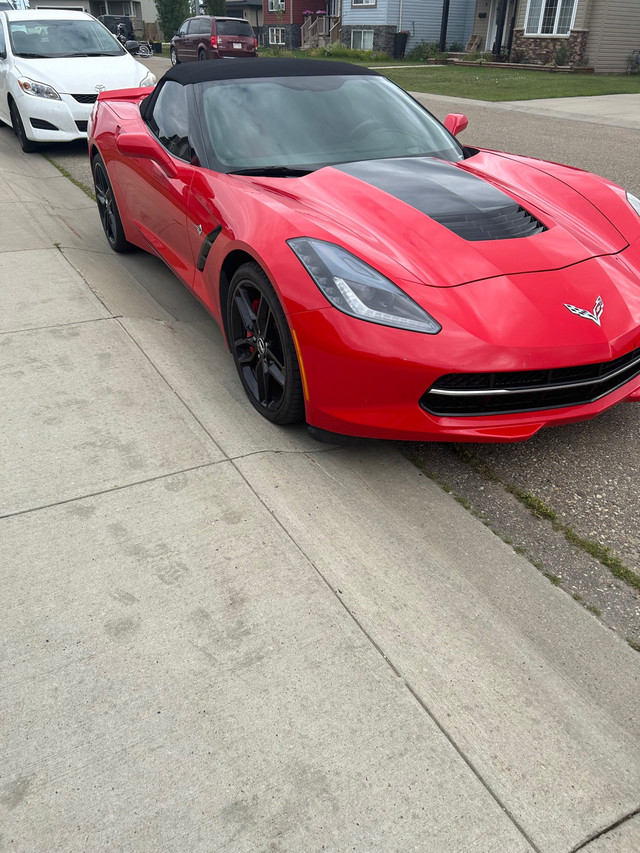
x: 112, y: 489
x: 584, y: 845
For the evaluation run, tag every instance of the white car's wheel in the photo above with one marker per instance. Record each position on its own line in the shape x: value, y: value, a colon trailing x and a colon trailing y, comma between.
x: 27, y: 145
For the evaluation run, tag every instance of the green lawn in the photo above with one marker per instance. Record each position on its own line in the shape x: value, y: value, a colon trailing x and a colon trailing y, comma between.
x: 485, y: 84
x: 496, y: 84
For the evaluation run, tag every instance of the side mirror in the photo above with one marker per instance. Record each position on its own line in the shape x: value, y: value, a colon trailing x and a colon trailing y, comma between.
x: 456, y: 123
x: 142, y: 145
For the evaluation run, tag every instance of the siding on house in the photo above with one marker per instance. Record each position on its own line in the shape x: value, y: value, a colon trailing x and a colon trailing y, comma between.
x: 614, y: 31
x: 421, y: 18
x: 613, y: 28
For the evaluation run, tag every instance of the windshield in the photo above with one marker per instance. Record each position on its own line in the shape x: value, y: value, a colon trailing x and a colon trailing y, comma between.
x: 310, y: 122
x: 47, y: 39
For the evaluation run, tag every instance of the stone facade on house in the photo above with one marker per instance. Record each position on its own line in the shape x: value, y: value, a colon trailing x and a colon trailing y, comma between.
x: 291, y: 35
x: 542, y: 51
x: 383, y: 37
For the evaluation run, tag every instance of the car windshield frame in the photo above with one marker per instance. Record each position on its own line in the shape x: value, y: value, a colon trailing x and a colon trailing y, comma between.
x: 57, y: 38
x: 298, y: 124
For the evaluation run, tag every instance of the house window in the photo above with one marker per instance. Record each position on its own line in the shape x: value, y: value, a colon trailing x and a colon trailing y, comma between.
x: 276, y: 5
x: 364, y: 2
x: 276, y: 35
x: 362, y: 39
x: 550, y: 17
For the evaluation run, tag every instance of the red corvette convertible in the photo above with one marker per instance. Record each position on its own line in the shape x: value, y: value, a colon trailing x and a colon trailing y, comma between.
x: 371, y: 275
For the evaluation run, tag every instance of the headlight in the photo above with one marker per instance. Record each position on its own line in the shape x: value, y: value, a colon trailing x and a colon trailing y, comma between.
x: 40, y: 90
x: 634, y: 201
x: 148, y: 80
x: 355, y: 288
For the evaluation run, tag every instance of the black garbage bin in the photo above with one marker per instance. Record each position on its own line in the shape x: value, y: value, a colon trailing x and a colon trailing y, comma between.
x: 399, y: 44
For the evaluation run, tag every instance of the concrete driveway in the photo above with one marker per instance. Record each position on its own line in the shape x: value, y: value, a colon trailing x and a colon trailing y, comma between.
x: 220, y: 635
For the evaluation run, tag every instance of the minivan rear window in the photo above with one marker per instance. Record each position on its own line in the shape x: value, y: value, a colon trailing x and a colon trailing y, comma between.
x: 234, y: 28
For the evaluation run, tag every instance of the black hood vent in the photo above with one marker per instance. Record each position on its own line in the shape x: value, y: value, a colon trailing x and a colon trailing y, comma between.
x: 504, y: 224
x: 467, y: 205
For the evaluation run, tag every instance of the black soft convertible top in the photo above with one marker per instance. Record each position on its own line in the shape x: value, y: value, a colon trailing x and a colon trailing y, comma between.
x: 237, y: 69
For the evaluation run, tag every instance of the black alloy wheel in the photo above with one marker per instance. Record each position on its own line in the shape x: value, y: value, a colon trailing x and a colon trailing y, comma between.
x: 262, y: 347
x: 107, y: 208
x: 27, y: 145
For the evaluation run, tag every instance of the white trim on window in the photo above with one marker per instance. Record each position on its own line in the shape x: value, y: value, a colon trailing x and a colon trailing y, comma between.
x: 362, y: 39
x: 550, y: 17
x: 276, y: 5
x: 276, y: 35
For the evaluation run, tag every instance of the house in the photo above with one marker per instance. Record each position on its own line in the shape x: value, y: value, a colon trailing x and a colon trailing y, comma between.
x: 599, y: 33
x: 250, y: 10
x: 372, y: 24
x: 143, y: 13
x: 364, y: 24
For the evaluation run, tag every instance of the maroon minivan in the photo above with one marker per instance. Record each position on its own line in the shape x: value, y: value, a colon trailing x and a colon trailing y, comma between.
x: 206, y: 37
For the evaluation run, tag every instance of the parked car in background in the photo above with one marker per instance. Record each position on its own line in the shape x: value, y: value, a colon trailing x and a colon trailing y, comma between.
x: 207, y: 37
x: 53, y: 63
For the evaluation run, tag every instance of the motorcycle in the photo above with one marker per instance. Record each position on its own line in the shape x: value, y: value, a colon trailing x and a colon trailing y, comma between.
x: 142, y: 49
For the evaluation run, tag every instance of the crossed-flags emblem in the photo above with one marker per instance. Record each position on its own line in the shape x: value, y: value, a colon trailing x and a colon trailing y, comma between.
x: 594, y: 315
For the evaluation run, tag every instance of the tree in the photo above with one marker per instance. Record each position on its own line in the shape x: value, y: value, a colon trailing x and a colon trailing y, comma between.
x: 216, y: 7
x: 171, y: 13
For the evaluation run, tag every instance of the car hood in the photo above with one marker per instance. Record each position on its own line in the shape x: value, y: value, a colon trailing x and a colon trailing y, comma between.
x: 453, y: 223
x: 82, y: 74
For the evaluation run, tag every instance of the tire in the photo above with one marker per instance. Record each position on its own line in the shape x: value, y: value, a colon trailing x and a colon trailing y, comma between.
x: 143, y: 51
x: 107, y: 208
x: 202, y: 56
x: 27, y: 145
x: 174, y: 56
x: 262, y: 347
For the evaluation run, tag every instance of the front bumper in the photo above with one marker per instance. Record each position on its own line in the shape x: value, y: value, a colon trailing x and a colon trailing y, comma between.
x: 366, y: 380
x: 47, y: 120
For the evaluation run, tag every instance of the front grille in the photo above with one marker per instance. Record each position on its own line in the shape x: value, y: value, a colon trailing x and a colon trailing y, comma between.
x: 85, y: 99
x: 465, y: 394
x: 82, y: 126
x: 505, y: 223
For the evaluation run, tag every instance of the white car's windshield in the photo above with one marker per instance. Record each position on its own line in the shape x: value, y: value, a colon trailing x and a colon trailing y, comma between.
x: 48, y: 39
x: 309, y: 122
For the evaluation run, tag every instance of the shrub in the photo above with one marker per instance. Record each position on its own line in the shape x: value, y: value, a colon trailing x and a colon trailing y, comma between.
x: 424, y: 50
x: 560, y: 56
x: 339, y: 51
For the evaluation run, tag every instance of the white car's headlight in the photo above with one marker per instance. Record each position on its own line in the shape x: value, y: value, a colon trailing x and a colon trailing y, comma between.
x: 634, y: 201
x: 40, y: 90
x: 148, y: 80
x: 355, y: 288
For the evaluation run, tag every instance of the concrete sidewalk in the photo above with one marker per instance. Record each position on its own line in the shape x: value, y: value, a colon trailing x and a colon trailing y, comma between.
x: 612, y: 110
x: 219, y: 635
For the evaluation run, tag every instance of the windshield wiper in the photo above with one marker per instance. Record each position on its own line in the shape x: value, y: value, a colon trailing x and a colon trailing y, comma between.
x: 272, y: 172
x: 33, y: 55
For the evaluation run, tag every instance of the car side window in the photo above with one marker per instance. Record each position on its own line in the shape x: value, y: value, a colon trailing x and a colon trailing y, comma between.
x: 205, y: 25
x: 170, y: 121
x: 3, y: 44
x: 193, y: 27
x: 182, y: 29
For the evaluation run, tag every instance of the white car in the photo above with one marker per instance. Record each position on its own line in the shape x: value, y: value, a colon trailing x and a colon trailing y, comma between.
x: 53, y: 64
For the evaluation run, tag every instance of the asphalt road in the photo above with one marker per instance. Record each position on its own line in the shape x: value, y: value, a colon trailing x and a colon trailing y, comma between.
x: 587, y: 475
